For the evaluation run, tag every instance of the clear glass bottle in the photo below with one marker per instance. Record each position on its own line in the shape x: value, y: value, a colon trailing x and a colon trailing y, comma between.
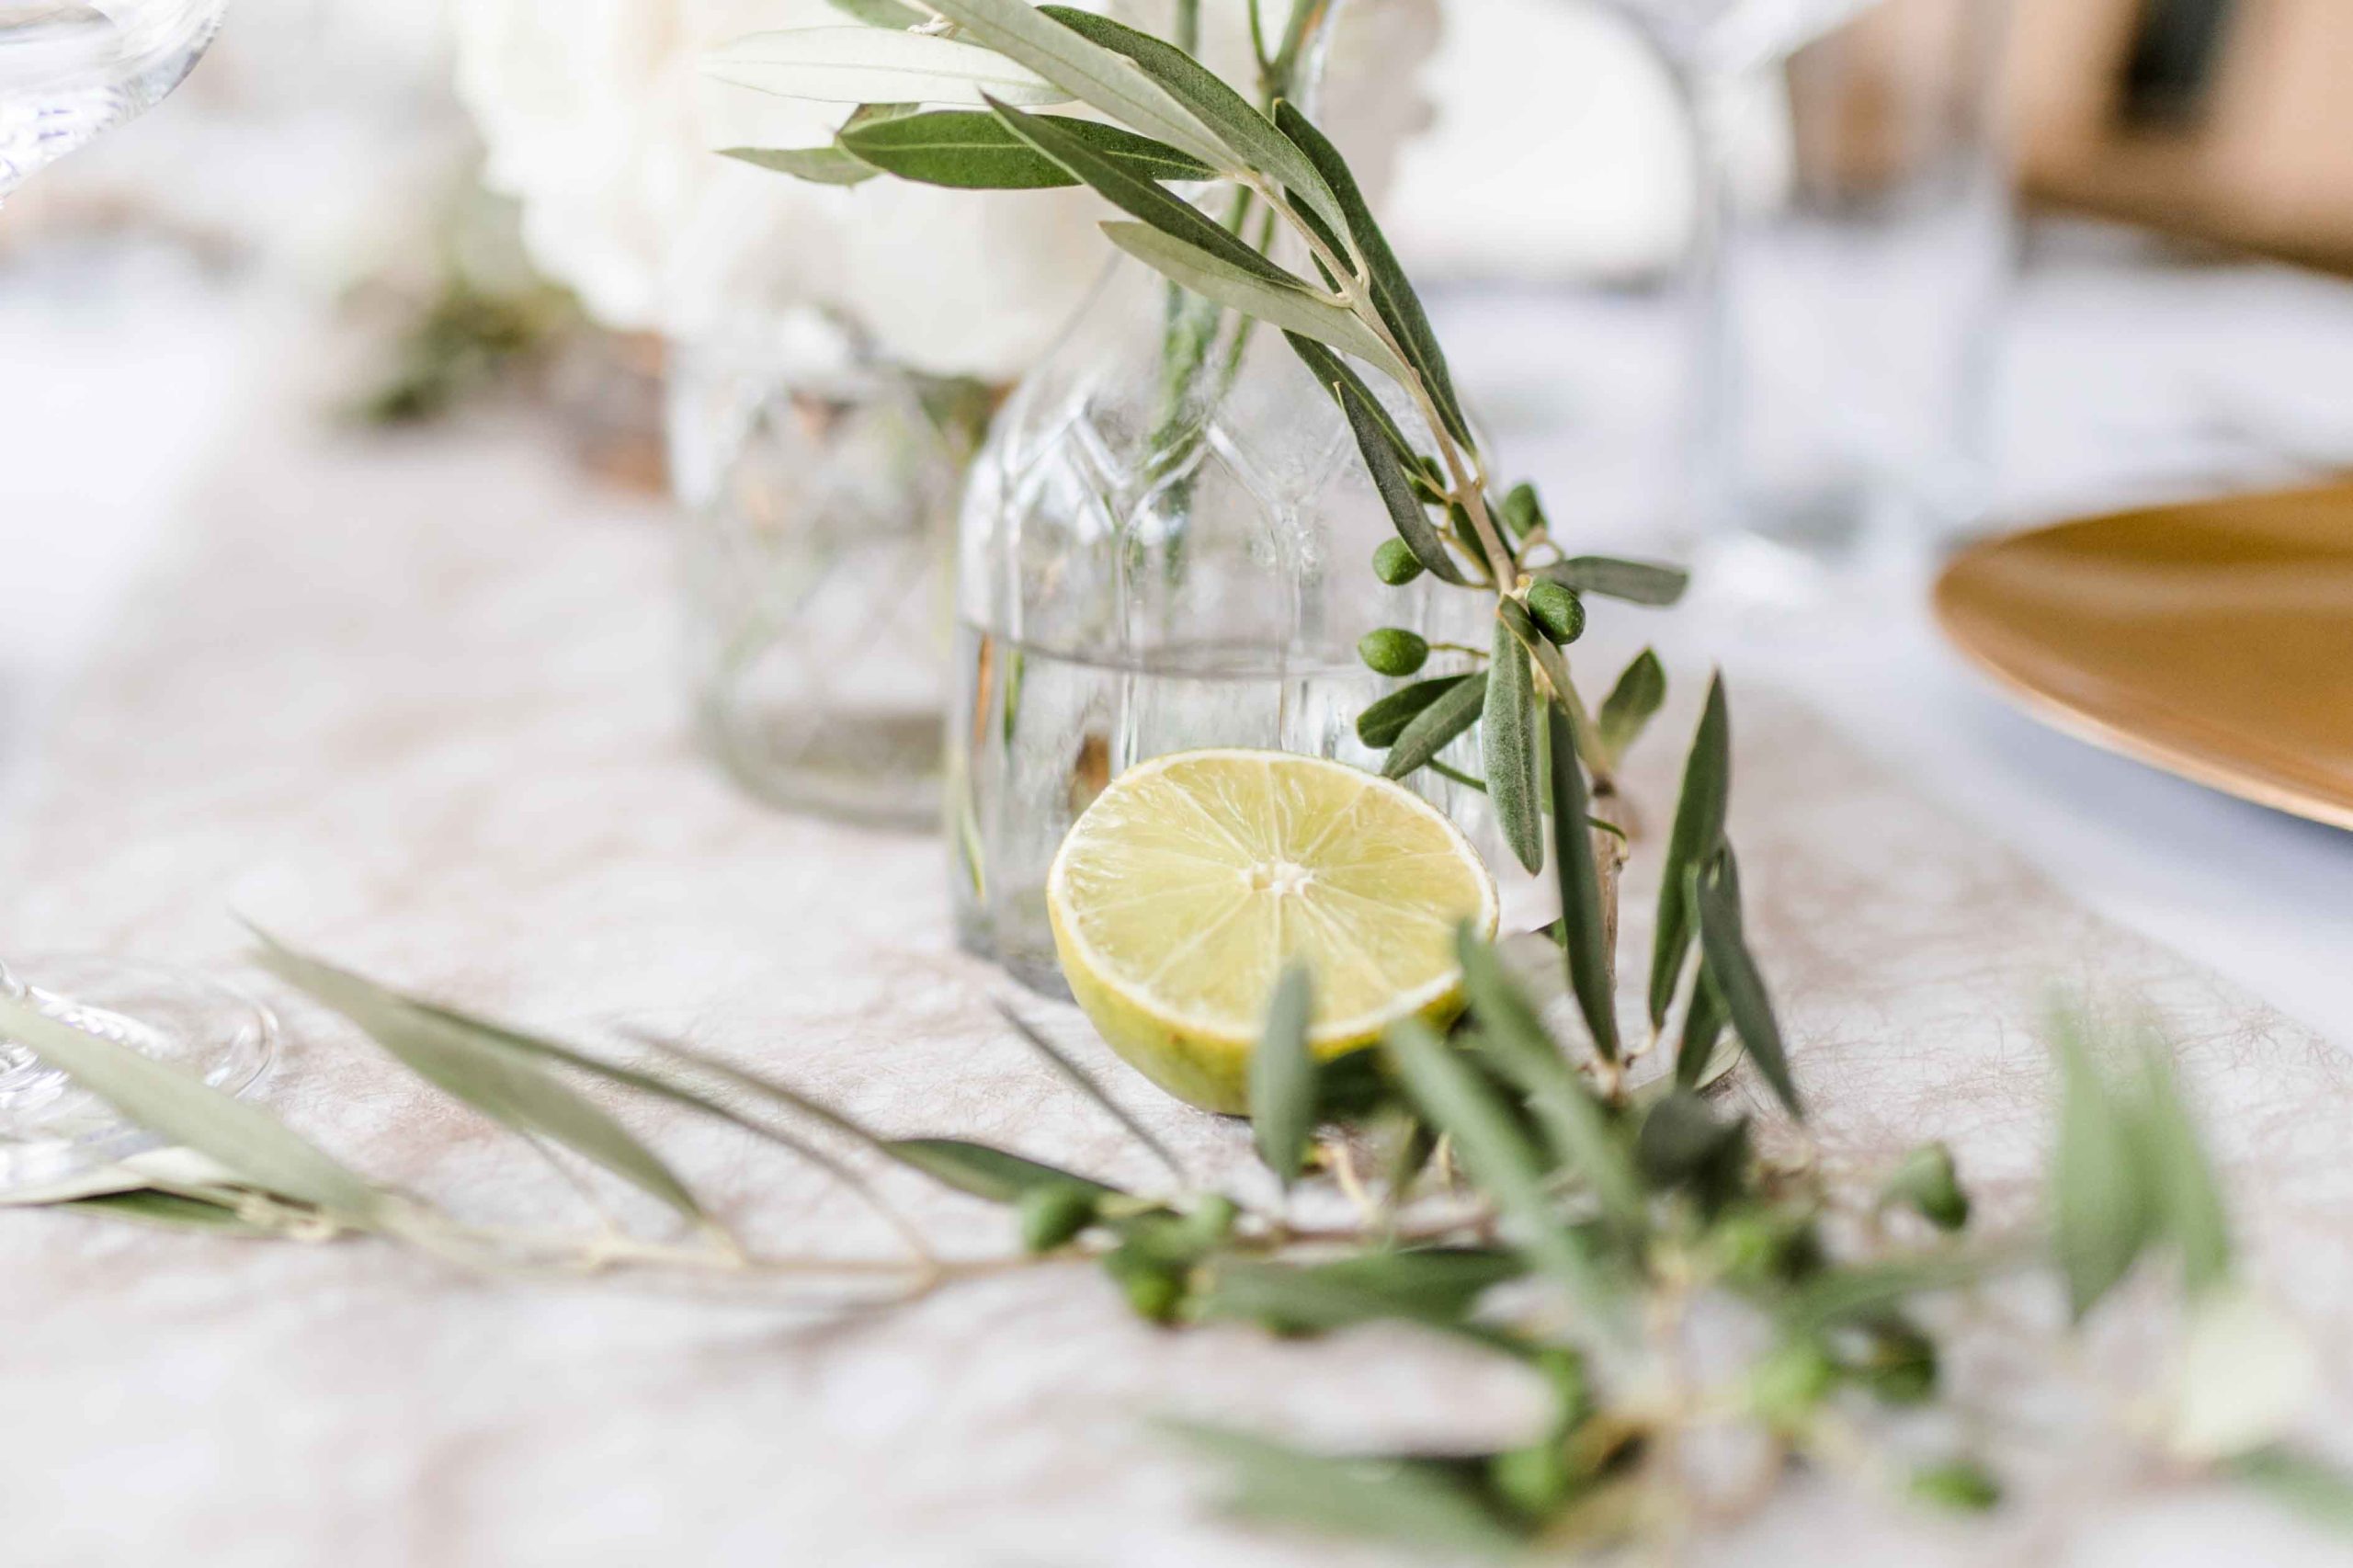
x: 1154, y: 561
x: 819, y: 501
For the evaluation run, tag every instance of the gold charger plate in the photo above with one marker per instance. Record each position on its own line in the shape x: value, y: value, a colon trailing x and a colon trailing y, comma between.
x: 2213, y: 640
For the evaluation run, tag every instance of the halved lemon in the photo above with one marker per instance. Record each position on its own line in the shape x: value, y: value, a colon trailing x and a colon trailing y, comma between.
x: 1190, y: 883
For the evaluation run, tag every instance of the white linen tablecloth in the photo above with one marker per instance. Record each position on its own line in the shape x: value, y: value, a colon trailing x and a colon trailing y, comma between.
x: 409, y: 702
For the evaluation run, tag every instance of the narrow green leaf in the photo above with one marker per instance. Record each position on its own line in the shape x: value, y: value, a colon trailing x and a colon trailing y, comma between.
x: 864, y: 65
x: 1442, y: 1281
x: 1541, y: 651
x: 1649, y: 583
x: 1283, y: 1078
x: 1585, y: 932
x: 1392, y: 292
x: 1870, y: 1291
x: 1699, y: 831
x: 485, y: 1071
x: 1682, y: 1141
x: 1381, y: 723
x: 2102, y: 1209
x: 1379, y: 1288
x: 1737, y: 981
x: 1083, y: 69
x: 818, y: 165
x: 1394, y: 1501
x: 1339, y: 378
x: 881, y: 13
x: 171, y: 1211
x: 1288, y: 306
x: 968, y: 150
x: 2187, y: 1195
x: 1439, y: 726
x: 985, y: 1173
x: 1253, y: 139
x: 1397, y: 491
x: 1052, y: 137
x: 184, y: 1109
x: 1508, y: 749
x: 1077, y: 1078
x: 1523, y: 510
x: 1703, y: 1025
x: 1631, y: 704
x: 1517, y: 1044
x: 2318, y: 1492
x: 1458, y: 1103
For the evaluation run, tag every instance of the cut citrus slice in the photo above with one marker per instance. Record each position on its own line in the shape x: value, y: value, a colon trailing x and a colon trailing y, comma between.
x: 1193, y: 881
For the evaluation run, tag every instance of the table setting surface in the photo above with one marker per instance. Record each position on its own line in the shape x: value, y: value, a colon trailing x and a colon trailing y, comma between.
x: 406, y: 703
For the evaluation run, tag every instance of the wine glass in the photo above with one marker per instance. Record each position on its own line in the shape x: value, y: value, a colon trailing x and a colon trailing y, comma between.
x: 69, y: 69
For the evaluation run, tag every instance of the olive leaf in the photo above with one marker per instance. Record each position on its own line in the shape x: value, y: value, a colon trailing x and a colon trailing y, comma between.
x: 1077, y: 1078
x: 2315, y: 1491
x: 864, y: 65
x: 2102, y: 1207
x: 173, y: 1212
x: 1251, y: 138
x: 1508, y: 748
x: 1394, y: 297
x: 1631, y: 704
x: 1456, y: 1101
x: 1437, y: 726
x: 1396, y: 1501
x: 1337, y: 377
x: 984, y: 1172
x: 1396, y: 487
x: 1400, y: 1288
x: 1860, y: 1293
x: 1289, y: 305
x: 1634, y: 582
x: 1384, y: 721
x: 830, y: 165
x: 1283, y: 1078
x: 1585, y: 933
x: 1699, y: 830
x: 180, y: 1106
x: 1703, y: 1025
x: 1738, y: 981
x: 1085, y: 70
x: 968, y: 150
x: 2186, y: 1196
x: 1516, y: 1044
x: 485, y: 1070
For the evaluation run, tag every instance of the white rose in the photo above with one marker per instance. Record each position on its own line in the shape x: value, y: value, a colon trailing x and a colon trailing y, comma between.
x: 597, y: 117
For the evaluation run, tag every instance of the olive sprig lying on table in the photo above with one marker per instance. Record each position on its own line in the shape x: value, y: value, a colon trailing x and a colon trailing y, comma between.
x: 1598, y: 1217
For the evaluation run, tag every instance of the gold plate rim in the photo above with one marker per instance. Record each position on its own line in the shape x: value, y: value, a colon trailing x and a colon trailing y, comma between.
x: 2084, y: 723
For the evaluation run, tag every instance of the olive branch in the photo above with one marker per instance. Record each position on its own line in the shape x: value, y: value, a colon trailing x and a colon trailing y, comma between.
x: 1545, y: 1196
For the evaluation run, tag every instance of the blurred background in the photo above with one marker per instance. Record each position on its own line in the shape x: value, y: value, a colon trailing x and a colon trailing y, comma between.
x: 1792, y: 285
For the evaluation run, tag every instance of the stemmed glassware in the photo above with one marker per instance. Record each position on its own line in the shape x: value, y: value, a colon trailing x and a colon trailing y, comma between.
x: 70, y: 69
x: 1847, y: 318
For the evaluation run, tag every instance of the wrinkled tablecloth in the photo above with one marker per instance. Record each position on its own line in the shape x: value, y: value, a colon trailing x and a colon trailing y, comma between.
x: 411, y: 703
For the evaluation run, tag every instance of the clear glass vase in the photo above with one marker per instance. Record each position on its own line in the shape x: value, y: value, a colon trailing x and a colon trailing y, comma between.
x: 1161, y: 550
x: 818, y: 508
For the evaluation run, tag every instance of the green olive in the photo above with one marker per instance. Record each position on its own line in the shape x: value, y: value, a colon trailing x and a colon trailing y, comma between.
x: 1053, y: 1216
x: 1557, y: 611
x: 1395, y: 563
x: 1393, y: 650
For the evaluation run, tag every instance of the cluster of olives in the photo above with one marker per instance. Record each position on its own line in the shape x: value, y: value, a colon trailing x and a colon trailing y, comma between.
x: 1557, y: 611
